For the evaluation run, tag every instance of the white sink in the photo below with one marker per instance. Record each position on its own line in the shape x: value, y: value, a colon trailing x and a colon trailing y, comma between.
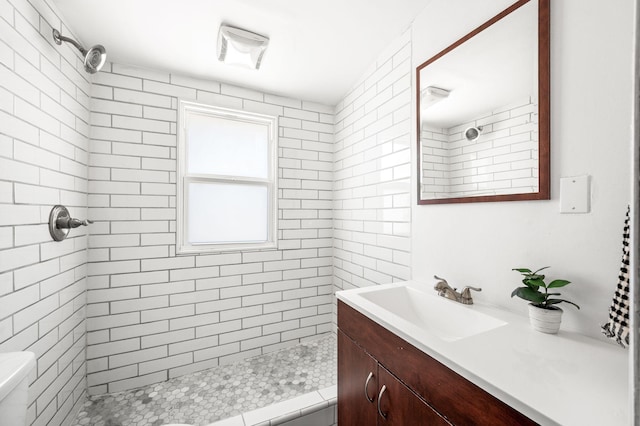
x: 447, y: 319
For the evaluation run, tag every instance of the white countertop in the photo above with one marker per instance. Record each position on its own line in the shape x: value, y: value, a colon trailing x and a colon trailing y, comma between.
x: 563, y: 379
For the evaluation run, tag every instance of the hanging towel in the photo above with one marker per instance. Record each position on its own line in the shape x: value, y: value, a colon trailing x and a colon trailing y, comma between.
x: 618, y: 326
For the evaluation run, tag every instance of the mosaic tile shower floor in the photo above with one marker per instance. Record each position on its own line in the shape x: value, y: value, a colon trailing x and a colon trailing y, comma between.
x: 220, y: 392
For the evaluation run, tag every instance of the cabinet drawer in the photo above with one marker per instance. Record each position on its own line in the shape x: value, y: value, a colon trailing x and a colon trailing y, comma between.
x: 457, y: 399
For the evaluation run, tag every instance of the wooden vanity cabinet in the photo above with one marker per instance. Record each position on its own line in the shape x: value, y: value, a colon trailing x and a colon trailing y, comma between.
x: 419, y: 389
x: 362, y: 400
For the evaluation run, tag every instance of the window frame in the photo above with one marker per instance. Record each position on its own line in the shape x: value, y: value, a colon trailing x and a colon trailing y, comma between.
x: 186, y: 108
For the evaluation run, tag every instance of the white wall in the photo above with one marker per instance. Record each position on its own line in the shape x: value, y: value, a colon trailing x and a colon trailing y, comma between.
x: 591, y: 97
x: 153, y: 315
x: 44, y: 125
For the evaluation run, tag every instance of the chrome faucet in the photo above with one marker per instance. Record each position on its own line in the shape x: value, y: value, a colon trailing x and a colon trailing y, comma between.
x: 444, y: 290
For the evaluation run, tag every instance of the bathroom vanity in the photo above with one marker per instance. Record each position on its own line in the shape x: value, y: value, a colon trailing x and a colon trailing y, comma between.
x: 410, y: 378
x: 400, y: 362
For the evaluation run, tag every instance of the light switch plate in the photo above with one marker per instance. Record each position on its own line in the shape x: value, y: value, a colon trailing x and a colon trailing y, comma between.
x: 575, y: 195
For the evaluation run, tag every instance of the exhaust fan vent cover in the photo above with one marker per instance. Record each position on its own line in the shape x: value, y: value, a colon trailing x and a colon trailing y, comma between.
x: 240, y: 47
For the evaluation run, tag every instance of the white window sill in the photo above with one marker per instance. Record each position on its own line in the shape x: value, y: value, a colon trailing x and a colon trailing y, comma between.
x: 220, y: 248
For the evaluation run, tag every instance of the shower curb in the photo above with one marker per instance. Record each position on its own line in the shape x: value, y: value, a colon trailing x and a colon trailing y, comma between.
x: 288, y: 411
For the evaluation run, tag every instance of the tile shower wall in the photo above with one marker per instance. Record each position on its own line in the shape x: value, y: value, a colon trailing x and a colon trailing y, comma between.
x: 153, y: 315
x: 44, y: 127
x: 435, y: 162
x: 372, y: 171
x: 503, y: 160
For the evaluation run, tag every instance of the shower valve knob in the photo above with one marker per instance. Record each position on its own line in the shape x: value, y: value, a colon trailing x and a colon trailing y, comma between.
x: 70, y: 223
x: 61, y: 222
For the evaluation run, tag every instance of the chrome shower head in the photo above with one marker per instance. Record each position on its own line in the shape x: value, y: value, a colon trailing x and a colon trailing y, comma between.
x: 472, y: 133
x: 94, y: 58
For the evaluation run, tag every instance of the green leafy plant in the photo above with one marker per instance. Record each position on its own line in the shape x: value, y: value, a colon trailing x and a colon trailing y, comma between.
x: 533, y: 286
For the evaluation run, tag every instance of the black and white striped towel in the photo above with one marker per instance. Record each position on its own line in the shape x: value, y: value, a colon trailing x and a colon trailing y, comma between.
x: 617, y: 328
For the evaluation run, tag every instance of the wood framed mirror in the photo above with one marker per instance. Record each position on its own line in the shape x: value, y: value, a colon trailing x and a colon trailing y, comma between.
x: 483, y: 112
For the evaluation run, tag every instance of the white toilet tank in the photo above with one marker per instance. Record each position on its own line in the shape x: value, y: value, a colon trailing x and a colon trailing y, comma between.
x: 14, y: 384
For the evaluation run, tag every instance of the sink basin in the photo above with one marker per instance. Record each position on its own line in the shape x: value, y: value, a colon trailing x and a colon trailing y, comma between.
x: 447, y: 319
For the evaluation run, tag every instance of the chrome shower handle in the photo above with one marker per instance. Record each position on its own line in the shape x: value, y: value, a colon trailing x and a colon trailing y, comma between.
x: 61, y: 222
x: 70, y: 223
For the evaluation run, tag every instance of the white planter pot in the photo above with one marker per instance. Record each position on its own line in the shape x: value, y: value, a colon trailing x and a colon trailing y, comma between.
x: 545, y: 320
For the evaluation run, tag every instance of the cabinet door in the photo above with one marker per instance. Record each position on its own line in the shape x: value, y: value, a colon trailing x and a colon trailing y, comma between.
x: 401, y: 406
x: 355, y: 407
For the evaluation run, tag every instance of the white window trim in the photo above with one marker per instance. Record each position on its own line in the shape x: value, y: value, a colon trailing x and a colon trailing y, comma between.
x: 182, y: 246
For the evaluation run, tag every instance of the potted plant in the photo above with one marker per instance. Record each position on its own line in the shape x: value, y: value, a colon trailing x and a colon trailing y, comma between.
x: 544, y: 314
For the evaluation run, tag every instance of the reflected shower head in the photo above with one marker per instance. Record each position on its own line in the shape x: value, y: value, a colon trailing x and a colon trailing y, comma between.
x: 472, y: 133
x: 94, y: 58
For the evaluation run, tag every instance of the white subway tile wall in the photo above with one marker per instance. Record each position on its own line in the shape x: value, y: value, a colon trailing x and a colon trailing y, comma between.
x: 503, y: 160
x: 106, y: 148
x: 372, y: 174
x: 44, y: 122
x: 153, y: 315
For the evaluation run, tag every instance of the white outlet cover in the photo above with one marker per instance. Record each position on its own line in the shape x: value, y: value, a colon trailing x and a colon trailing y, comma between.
x: 575, y: 195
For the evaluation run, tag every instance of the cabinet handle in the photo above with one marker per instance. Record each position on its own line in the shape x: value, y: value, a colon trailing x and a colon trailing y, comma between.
x: 384, y: 388
x: 366, y: 387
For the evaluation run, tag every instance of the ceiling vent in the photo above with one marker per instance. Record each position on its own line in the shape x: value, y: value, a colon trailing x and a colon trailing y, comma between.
x: 240, y: 47
x: 432, y: 95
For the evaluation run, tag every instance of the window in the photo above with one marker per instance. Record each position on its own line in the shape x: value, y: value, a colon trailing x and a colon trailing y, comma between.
x: 227, y: 192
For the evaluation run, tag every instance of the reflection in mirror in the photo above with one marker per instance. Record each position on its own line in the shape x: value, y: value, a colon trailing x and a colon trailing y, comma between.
x: 483, y: 115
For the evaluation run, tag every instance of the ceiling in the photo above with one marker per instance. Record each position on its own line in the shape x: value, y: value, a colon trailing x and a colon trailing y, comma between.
x: 317, y: 51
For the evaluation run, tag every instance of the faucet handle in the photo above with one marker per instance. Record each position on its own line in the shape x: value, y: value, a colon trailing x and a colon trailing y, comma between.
x: 465, y: 295
x: 441, y: 284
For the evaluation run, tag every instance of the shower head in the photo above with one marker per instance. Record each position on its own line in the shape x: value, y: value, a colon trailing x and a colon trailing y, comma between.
x: 94, y: 58
x: 472, y: 133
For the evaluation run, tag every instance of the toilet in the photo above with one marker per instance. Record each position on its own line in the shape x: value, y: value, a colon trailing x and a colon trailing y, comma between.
x: 14, y: 384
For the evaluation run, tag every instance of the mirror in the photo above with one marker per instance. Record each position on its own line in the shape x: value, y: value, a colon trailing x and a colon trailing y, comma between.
x: 483, y: 112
